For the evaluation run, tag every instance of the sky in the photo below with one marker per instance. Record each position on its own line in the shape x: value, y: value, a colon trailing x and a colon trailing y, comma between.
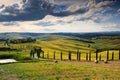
x: 49, y: 16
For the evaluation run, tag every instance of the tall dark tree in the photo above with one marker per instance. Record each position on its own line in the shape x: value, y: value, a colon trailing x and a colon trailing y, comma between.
x: 89, y: 56
x: 61, y: 55
x: 77, y: 54
x: 86, y: 56
x: 54, y: 55
x: 69, y: 55
x: 112, y: 55
x: 107, y: 55
x: 36, y: 50
x: 119, y: 54
x: 97, y: 54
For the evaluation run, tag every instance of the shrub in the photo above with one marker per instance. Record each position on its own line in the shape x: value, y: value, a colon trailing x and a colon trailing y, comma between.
x: 14, y: 56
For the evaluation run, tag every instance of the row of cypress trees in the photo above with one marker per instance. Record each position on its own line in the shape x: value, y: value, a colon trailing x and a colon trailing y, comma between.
x: 38, y: 50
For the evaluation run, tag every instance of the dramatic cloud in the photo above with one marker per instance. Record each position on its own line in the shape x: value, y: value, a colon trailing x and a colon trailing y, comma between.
x: 38, y: 9
x: 59, y: 15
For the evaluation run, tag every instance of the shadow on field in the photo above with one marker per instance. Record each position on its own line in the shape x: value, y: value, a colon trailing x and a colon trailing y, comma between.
x: 8, y: 49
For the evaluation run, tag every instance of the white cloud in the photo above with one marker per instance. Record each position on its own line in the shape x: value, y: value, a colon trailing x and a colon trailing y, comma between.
x: 9, y: 2
x: 111, y: 27
x: 76, y: 26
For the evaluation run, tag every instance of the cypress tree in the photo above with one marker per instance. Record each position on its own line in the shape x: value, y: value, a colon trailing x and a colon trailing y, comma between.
x: 38, y: 52
x: 61, y: 55
x: 107, y: 55
x: 54, y: 55
x: 77, y: 55
x: 119, y: 54
x: 112, y: 55
x: 86, y: 56
x: 31, y: 53
x: 69, y: 55
x: 89, y: 56
x: 97, y: 54
x: 48, y: 54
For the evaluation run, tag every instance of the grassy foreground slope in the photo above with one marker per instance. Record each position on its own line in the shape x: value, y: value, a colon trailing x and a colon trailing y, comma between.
x: 44, y: 70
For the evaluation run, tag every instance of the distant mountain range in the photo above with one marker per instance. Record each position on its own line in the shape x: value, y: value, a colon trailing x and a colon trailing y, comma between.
x: 39, y: 35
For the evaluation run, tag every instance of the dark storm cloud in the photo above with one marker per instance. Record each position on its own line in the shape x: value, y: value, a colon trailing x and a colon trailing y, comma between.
x: 38, y: 9
x: 31, y: 10
x: 1, y: 6
x: 11, y: 9
x: 67, y: 13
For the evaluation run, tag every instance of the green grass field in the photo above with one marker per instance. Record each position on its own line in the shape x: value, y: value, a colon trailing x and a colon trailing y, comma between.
x: 44, y: 70
x: 32, y: 69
